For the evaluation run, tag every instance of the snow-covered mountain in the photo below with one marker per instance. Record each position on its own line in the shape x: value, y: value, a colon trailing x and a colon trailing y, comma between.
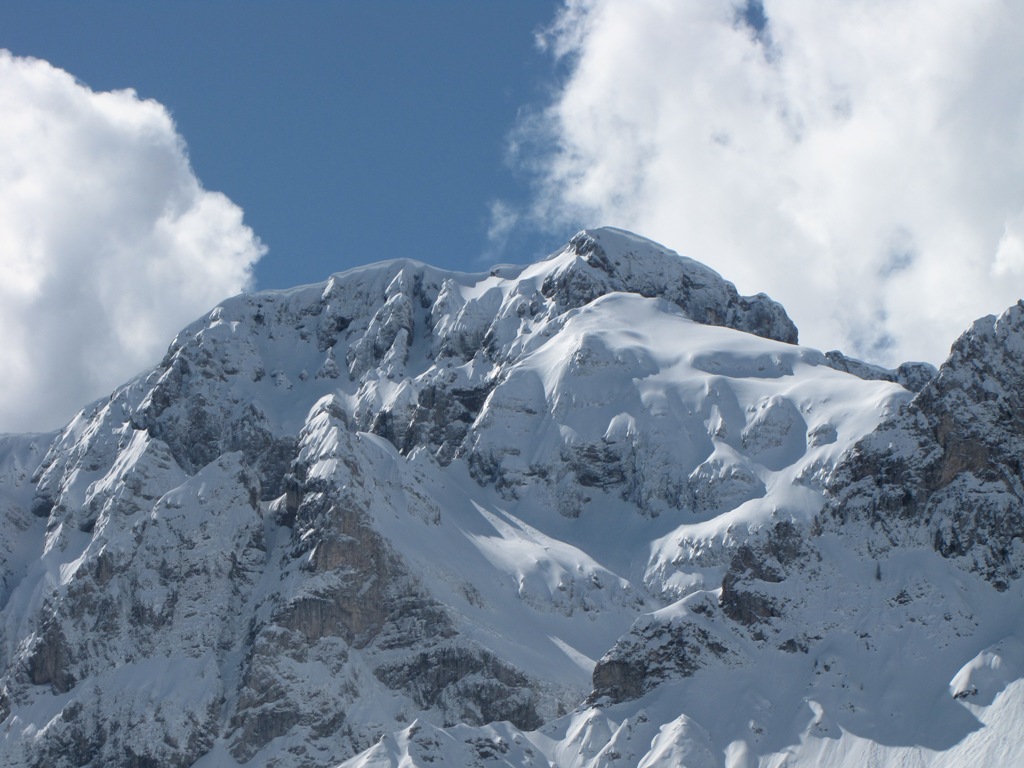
x: 596, y: 511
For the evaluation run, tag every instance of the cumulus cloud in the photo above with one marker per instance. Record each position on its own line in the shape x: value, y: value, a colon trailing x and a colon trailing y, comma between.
x: 108, y: 242
x: 862, y: 161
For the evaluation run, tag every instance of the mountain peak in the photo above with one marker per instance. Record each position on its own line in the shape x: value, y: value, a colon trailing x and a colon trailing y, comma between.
x: 606, y: 260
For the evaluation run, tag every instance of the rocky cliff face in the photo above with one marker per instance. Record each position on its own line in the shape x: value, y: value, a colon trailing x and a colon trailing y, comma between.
x: 947, y: 472
x: 570, y: 499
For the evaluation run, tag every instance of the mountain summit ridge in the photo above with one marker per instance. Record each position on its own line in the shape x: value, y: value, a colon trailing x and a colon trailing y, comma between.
x: 592, y: 511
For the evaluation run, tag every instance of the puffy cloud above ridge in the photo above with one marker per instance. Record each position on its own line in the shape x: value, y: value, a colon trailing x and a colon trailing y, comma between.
x: 861, y: 161
x: 108, y: 242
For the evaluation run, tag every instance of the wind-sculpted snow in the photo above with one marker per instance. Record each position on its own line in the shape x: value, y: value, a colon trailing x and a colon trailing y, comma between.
x: 595, y: 511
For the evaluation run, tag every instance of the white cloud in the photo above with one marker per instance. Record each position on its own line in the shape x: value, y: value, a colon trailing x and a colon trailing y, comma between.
x: 503, y: 217
x: 108, y: 242
x: 860, y: 160
x: 1009, y: 264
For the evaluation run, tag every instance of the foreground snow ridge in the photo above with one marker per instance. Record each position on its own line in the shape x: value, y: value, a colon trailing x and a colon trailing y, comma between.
x: 600, y: 510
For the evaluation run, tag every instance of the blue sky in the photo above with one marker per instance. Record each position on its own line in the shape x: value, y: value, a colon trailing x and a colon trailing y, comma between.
x: 860, y: 162
x: 348, y: 132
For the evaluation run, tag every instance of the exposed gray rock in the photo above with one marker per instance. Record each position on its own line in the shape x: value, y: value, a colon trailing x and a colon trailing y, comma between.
x: 468, y: 685
x: 911, y: 375
x: 654, y: 652
x: 946, y: 471
x: 638, y: 266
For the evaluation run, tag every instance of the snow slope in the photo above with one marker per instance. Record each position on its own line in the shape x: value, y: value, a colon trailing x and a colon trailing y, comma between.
x: 598, y: 510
